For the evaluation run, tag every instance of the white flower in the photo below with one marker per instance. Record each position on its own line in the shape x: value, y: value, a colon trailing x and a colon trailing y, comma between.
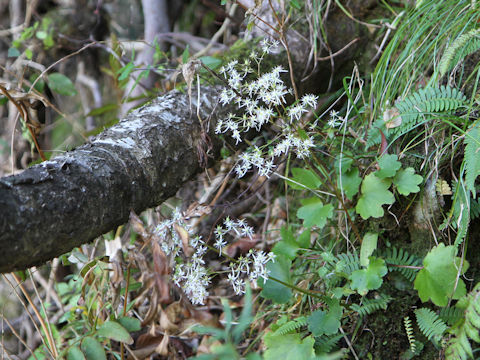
x: 276, y: 73
x: 226, y: 96
x: 201, y: 250
x: 218, y: 127
x: 332, y: 122
x: 310, y: 100
x: 267, y: 46
x: 195, y: 241
x: 219, y: 244
x: 251, y: 88
x: 228, y: 223
x: 236, y: 136
x: 303, y: 148
x: 295, y: 112
x: 193, y: 279
x: 262, y: 115
x: 266, y: 169
x: 234, y: 79
x: 242, y: 169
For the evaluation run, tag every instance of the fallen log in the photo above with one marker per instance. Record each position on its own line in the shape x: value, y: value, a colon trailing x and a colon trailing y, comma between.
x: 52, y: 207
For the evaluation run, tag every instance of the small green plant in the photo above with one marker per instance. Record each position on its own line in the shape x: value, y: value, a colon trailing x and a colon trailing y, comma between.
x: 232, y: 333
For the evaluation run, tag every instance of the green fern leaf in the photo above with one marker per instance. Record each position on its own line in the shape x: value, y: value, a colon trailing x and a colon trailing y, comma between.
x: 474, y: 209
x: 400, y: 257
x: 459, y: 347
x: 347, y: 263
x: 369, y: 306
x: 291, y: 326
x: 462, y: 46
x: 451, y: 315
x: 472, y: 156
x: 326, y: 343
x: 430, y: 323
x: 426, y: 101
x: 409, y: 331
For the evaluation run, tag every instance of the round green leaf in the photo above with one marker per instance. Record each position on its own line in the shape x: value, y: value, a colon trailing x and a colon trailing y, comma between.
x: 74, y: 353
x: 61, y: 84
x: 314, y: 213
x: 92, y: 349
x: 406, y: 181
x: 374, y: 194
x: 129, y: 323
x: 115, y: 331
x: 388, y: 166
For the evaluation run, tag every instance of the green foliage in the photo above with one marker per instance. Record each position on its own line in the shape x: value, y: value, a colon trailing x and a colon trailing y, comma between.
x: 113, y: 330
x: 389, y: 165
x: 369, y: 306
x: 430, y: 324
x: 370, y: 278
x: 304, y: 178
x: 406, y: 181
x: 450, y: 315
x: 325, y: 344
x: 322, y: 322
x: 92, y: 349
x: 74, y: 353
x: 472, y: 156
x: 348, y: 182
x: 374, y: 194
x: 409, y: 331
x: 461, y: 47
x: 273, y: 290
x: 403, y: 260
x: 459, y: 346
x: 439, y: 279
x: 459, y: 216
x: 314, y: 212
x: 288, y: 246
x: 346, y: 264
x: 369, y: 245
x: 288, y: 347
x: 232, y: 334
x: 61, y: 84
x: 291, y: 326
x: 444, y: 99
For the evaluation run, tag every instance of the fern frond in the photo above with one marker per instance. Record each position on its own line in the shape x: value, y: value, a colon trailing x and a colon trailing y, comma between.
x: 291, y: 326
x: 459, y: 347
x: 450, y: 315
x: 461, y: 211
x: 474, y: 209
x: 461, y: 47
x: 444, y: 99
x: 371, y: 305
x: 430, y: 324
x: 401, y: 257
x: 374, y: 137
x: 326, y: 343
x: 472, y: 156
x: 347, y: 263
x: 409, y: 331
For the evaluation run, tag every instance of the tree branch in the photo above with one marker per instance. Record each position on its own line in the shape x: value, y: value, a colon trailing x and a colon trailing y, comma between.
x: 59, y: 204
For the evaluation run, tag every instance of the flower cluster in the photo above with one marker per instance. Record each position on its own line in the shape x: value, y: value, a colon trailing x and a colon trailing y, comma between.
x: 253, y: 266
x: 239, y: 227
x: 262, y: 100
x: 171, y: 243
x: 193, y: 278
x: 192, y: 275
x: 335, y: 120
